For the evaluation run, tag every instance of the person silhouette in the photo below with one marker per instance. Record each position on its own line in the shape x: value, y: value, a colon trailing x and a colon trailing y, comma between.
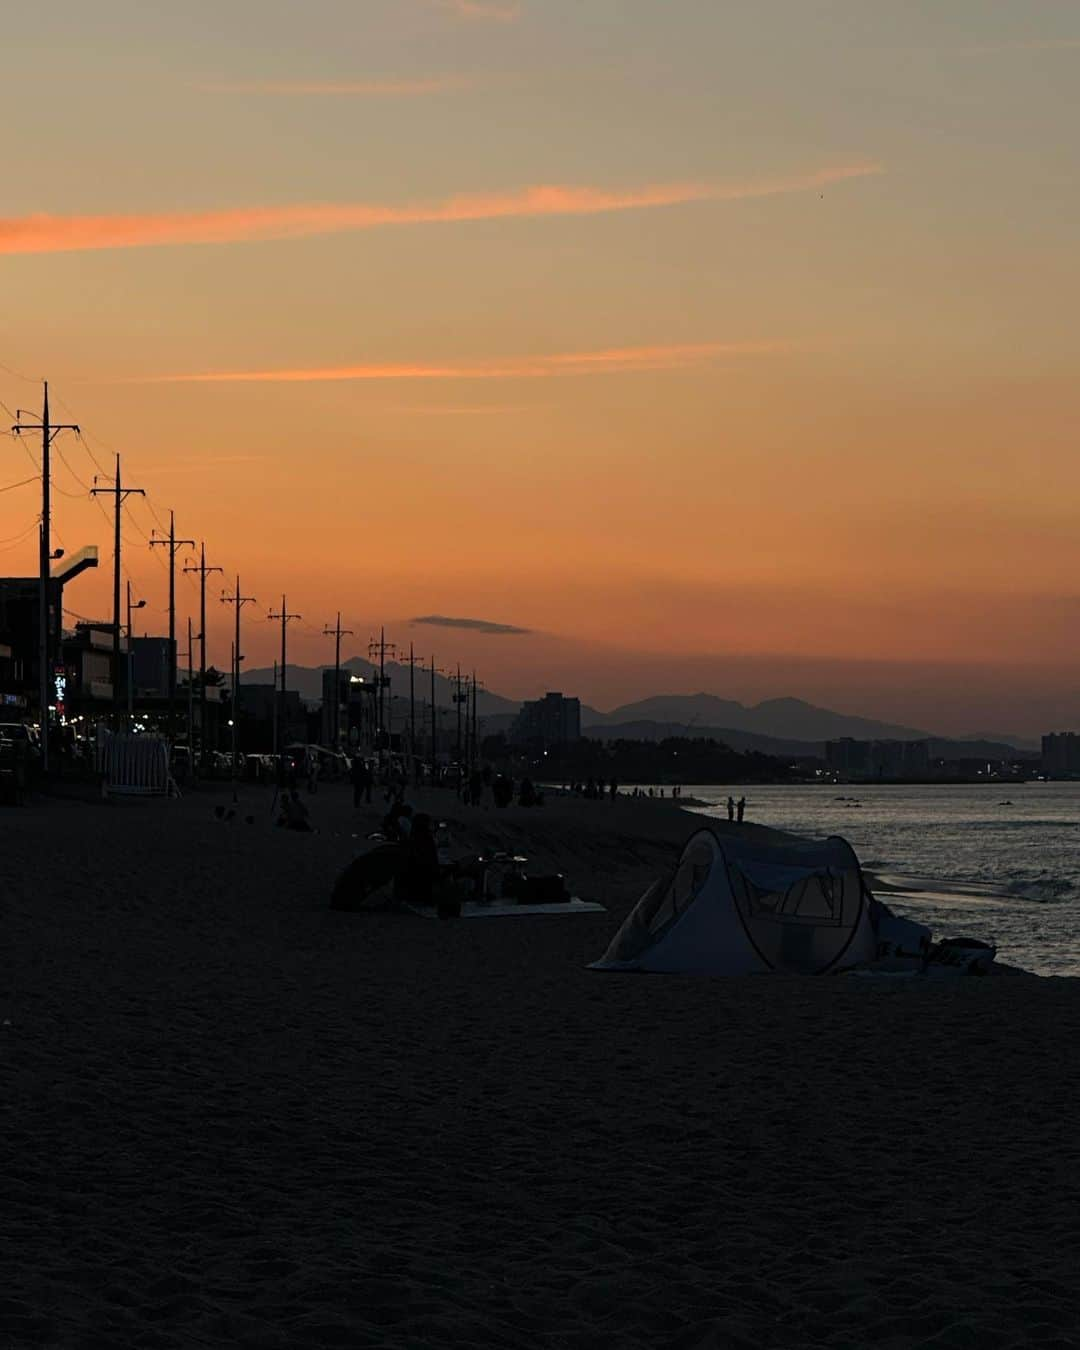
x: 740, y: 809
x: 731, y: 808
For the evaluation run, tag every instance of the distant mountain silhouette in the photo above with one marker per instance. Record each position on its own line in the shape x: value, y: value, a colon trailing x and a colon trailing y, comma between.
x: 788, y: 727
x: 1002, y: 738
x: 307, y: 682
x: 786, y: 719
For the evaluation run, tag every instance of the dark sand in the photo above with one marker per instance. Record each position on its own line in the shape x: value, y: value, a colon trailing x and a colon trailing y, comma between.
x: 232, y: 1117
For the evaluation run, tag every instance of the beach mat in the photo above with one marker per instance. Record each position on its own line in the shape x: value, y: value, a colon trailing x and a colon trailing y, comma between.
x: 501, y: 910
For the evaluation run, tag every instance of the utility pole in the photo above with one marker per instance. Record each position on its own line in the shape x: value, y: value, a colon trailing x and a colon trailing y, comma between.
x: 434, y: 729
x: 337, y: 633
x: 284, y: 618
x: 172, y: 544
x: 49, y: 431
x: 139, y: 604
x: 474, y: 755
x: 190, y: 701
x: 382, y: 680
x: 203, y: 571
x: 459, y: 699
x: 120, y: 494
x: 274, y: 720
x: 413, y: 659
x: 239, y: 600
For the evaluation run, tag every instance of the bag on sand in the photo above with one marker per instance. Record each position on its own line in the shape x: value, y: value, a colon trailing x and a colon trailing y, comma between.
x: 965, y: 956
x: 364, y: 877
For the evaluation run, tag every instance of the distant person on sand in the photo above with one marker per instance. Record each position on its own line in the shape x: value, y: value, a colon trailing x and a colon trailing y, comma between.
x: 731, y: 808
x: 361, y: 781
x: 613, y: 789
x: 740, y: 809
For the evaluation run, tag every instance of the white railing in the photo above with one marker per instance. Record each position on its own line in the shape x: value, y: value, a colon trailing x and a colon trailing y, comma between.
x: 134, y: 766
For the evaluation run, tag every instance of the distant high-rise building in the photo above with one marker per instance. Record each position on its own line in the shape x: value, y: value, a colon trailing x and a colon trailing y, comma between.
x: 552, y: 720
x: 1061, y: 754
x: 878, y: 759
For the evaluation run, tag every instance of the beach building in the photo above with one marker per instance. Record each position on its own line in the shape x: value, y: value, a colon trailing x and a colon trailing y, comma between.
x: 552, y: 721
x: 1061, y: 754
x: 870, y: 760
x: 20, y: 629
x: 260, y: 704
x: 352, y: 713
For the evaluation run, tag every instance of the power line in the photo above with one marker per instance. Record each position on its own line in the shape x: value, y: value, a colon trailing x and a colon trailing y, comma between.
x: 14, y: 539
x: 21, y: 483
x: 64, y: 461
x: 18, y: 374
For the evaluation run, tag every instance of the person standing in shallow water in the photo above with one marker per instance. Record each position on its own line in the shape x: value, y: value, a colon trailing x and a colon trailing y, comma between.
x: 740, y: 809
x: 731, y: 808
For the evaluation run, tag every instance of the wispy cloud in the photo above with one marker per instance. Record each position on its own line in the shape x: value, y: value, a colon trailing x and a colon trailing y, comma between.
x: 463, y: 409
x: 415, y: 88
x: 490, y: 11
x: 41, y: 233
x: 473, y: 625
x: 1027, y: 45
x: 615, y: 361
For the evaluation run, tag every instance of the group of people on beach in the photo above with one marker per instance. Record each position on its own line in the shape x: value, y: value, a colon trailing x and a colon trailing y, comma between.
x: 736, y: 809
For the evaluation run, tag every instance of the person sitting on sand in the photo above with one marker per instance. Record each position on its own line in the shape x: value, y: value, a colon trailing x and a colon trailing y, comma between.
x: 420, y: 862
x: 294, y: 814
x: 397, y: 822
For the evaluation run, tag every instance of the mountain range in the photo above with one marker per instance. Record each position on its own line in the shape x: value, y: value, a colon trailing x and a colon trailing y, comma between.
x: 777, y: 726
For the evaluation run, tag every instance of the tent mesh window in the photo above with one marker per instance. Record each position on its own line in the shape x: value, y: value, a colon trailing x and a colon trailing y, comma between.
x: 816, y: 900
x: 686, y: 885
x: 662, y: 904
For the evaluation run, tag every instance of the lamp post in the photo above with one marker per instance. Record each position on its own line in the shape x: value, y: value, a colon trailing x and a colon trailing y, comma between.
x: 139, y: 604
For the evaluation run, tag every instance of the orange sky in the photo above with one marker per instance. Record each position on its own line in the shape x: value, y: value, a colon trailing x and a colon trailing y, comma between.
x: 726, y: 351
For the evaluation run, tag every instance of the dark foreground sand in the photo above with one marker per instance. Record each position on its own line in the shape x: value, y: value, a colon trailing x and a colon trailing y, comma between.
x: 231, y: 1117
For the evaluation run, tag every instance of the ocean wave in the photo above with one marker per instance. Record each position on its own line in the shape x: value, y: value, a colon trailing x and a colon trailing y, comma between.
x: 1036, y: 890
x: 1043, y: 890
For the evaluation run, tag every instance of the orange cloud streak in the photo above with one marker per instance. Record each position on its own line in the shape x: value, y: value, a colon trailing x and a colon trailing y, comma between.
x: 42, y: 233
x: 618, y: 360
x: 482, y: 9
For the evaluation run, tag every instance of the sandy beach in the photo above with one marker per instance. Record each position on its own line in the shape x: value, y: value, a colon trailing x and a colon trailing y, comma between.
x: 233, y: 1117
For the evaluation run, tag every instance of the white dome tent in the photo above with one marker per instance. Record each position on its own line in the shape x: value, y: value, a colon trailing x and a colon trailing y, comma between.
x: 736, y: 906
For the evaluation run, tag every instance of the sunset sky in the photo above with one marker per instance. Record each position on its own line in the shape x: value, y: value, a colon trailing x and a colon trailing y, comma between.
x: 725, y: 347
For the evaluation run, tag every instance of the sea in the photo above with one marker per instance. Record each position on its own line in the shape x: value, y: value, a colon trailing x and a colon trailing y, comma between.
x: 999, y: 862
